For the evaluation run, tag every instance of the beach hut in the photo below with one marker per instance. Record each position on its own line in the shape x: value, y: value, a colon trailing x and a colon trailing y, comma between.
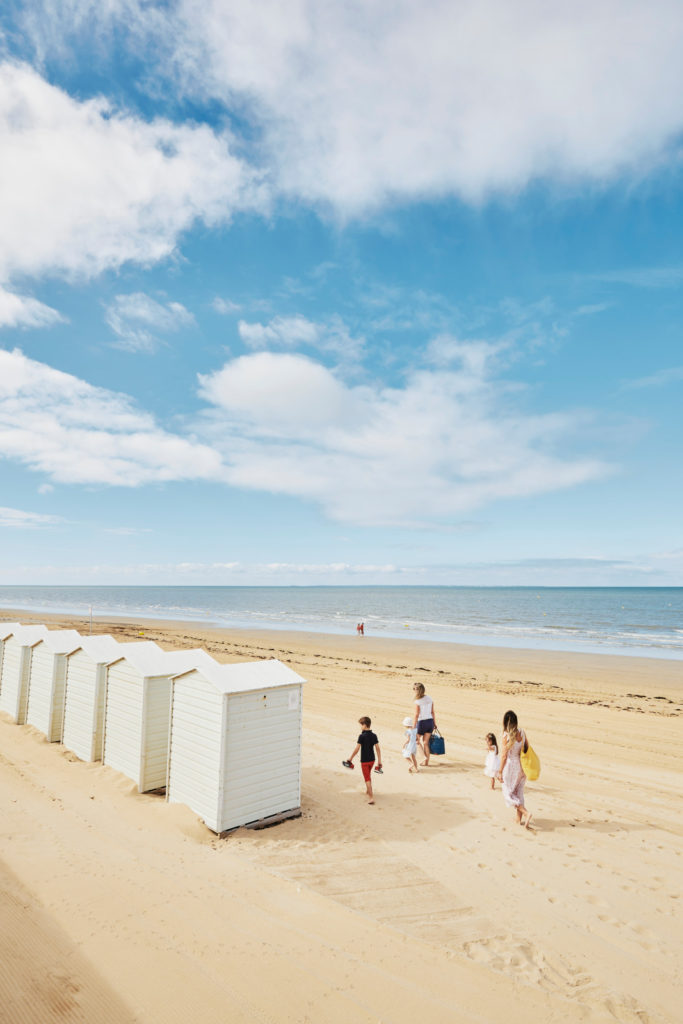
x: 235, y: 749
x: 137, y: 709
x: 17, y: 649
x: 86, y: 674
x: 45, y: 681
x: 6, y: 629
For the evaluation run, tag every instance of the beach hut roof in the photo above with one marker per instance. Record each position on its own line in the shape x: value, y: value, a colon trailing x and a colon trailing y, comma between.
x: 8, y: 628
x: 102, y: 649
x: 28, y: 635
x: 62, y: 641
x: 155, y: 662
x: 248, y: 675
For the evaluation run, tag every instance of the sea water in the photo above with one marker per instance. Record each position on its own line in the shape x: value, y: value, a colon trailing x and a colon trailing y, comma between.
x: 629, y: 620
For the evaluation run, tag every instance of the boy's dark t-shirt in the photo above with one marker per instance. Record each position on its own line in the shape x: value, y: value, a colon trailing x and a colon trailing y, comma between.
x: 367, y: 740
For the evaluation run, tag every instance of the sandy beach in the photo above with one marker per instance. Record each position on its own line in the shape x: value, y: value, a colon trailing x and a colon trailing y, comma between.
x: 117, y: 907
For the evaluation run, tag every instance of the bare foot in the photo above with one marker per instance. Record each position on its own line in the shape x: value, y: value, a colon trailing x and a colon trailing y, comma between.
x: 528, y: 819
x: 424, y: 764
x: 371, y: 801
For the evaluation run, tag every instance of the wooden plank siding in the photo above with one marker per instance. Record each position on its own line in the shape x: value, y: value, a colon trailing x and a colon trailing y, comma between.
x: 195, y: 747
x: 123, y: 720
x: 80, y: 706
x: 155, y: 731
x: 263, y: 755
x: 98, y: 734
x: 11, y: 677
x: 24, y: 672
x: 40, y: 687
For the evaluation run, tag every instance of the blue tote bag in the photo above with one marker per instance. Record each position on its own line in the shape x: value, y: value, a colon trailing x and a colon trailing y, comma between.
x: 437, y: 743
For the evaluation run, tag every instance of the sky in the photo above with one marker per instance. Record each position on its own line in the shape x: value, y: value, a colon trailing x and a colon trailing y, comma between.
x: 341, y: 293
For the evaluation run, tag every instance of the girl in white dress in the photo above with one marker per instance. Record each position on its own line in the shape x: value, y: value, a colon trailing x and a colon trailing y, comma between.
x: 492, y: 763
x: 410, y: 746
x: 511, y: 774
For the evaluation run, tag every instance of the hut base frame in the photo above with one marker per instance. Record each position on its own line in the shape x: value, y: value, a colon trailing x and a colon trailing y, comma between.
x: 273, y: 819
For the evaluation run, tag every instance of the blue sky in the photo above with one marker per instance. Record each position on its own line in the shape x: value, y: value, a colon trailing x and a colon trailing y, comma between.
x: 334, y: 293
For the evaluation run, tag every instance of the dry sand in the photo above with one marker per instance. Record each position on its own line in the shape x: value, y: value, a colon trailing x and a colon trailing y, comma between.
x: 431, y: 905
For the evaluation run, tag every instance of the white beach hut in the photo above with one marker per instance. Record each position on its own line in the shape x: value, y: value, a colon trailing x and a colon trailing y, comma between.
x: 137, y: 711
x: 6, y: 629
x: 17, y: 649
x: 235, y: 750
x: 45, y: 683
x: 86, y: 675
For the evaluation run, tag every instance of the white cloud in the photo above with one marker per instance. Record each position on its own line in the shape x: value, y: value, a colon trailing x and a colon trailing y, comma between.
x: 24, y: 311
x: 643, y: 277
x: 135, y: 319
x: 661, y: 378
x: 446, y: 442
x: 278, y: 395
x: 282, y: 330
x: 358, y: 104
x: 297, y: 331
x: 225, y: 306
x: 73, y: 432
x: 15, y: 517
x: 474, y: 356
x: 85, y: 187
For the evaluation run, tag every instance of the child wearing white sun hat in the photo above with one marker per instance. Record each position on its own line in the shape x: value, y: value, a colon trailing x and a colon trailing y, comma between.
x: 410, y: 746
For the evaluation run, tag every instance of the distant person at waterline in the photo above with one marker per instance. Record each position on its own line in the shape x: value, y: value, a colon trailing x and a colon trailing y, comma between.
x: 511, y: 774
x: 423, y: 720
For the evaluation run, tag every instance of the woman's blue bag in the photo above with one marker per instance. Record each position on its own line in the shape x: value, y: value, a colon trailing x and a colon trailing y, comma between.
x: 437, y: 743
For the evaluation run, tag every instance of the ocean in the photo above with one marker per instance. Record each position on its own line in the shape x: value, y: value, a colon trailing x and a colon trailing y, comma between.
x: 630, y: 620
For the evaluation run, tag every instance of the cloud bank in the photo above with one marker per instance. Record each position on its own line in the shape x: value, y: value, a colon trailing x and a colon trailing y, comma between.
x: 448, y: 441
x: 355, y: 105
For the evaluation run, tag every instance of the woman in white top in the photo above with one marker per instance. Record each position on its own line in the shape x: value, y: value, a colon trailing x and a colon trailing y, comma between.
x: 424, y: 720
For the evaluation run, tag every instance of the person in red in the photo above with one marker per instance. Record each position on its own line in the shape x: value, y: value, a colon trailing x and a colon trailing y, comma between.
x: 367, y: 745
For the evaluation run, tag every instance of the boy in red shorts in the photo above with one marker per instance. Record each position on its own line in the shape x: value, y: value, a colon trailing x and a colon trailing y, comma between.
x: 367, y: 744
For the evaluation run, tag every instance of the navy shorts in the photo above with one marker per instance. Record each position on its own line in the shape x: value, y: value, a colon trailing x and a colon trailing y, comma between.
x: 425, y: 725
